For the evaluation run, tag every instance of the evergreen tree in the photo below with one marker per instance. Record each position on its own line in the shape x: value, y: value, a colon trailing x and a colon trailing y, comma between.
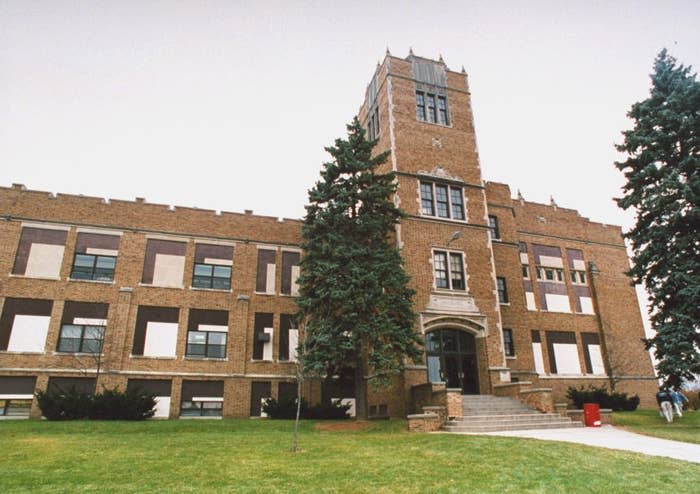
x: 355, y: 305
x: 663, y: 186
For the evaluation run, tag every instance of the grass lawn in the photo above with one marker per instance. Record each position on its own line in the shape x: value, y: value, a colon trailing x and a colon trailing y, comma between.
x: 649, y: 422
x: 253, y: 456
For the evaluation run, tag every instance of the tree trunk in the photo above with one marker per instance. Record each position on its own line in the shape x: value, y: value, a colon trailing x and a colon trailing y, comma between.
x: 360, y: 389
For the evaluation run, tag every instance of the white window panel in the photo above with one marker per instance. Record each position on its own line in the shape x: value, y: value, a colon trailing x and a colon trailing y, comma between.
x: 270, y: 280
x: 101, y: 252
x: 168, y: 270
x: 524, y: 259
x: 44, y: 261
x: 586, y: 305
x: 295, y: 276
x: 218, y: 262
x: 566, y: 357
x: 551, y: 262
x: 579, y: 265
x: 212, y: 327
x: 597, y: 365
x: 293, y: 342
x: 557, y: 303
x: 530, y: 301
x: 267, y: 346
x: 162, y: 407
x: 161, y: 339
x: 86, y: 321
x: 537, y: 355
x: 28, y: 333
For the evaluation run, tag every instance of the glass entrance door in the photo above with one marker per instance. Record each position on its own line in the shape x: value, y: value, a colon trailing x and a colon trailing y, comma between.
x: 451, y: 356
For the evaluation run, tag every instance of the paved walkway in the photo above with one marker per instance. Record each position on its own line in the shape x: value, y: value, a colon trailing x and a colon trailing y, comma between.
x: 611, y: 437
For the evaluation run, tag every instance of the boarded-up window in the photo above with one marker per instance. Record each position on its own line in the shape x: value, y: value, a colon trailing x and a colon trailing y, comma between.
x: 290, y: 273
x: 537, y: 352
x: 24, y: 324
x: 260, y: 391
x: 64, y: 384
x: 592, y: 354
x: 563, y: 352
x: 288, y: 337
x: 161, y: 388
x: 202, y: 399
x: 262, y: 336
x: 265, y: 280
x: 40, y: 252
x: 164, y: 264
x: 155, y: 334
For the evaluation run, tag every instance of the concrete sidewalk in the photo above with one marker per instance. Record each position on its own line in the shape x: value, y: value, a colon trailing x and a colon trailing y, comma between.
x: 611, y: 437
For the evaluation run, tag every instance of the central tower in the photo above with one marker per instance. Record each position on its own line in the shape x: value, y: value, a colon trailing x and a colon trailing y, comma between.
x: 421, y: 111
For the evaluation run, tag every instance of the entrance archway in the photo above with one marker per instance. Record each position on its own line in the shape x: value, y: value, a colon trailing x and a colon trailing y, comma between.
x: 451, y: 356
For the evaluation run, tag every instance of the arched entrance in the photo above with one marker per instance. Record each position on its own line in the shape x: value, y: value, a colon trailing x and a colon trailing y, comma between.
x: 451, y: 356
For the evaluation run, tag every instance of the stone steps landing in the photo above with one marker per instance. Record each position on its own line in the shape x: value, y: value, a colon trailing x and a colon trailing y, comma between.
x: 487, y: 413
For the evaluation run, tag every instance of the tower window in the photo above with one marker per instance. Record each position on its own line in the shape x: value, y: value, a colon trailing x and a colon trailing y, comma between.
x: 442, y: 201
x: 432, y: 108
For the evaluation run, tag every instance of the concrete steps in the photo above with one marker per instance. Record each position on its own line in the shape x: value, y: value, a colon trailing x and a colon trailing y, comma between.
x: 486, y: 413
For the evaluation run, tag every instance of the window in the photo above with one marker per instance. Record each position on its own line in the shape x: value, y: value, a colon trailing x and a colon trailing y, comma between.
x: 40, y: 252
x: 288, y: 339
x: 16, y: 394
x: 526, y: 271
x: 554, y: 275
x: 502, y: 290
x: 95, y: 257
x: 265, y: 279
x: 211, y: 276
x: 493, y: 228
x: 508, y: 345
x: 212, y: 266
x: 262, y: 336
x: 290, y: 273
x: 80, y: 338
x: 210, y: 344
x: 373, y: 125
x: 156, y: 329
x: 563, y: 352
x: 442, y: 201
x: 578, y: 277
x: 432, y: 108
x: 93, y: 267
x: 449, y: 270
x: 164, y: 264
x: 160, y: 388
x: 207, y: 332
x: 24, y: 324
x: 202, y: 399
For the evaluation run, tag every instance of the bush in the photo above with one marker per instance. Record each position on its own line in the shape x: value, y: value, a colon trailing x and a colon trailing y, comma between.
x: 287, y: 409
x: 111, y: 404
x: 592, y: 394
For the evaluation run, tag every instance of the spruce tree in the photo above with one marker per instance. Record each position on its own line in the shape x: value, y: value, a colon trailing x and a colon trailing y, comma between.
x: 663, y: 187
x: 355, y: 304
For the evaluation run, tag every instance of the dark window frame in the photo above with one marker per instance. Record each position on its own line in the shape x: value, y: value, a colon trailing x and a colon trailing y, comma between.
x: 432, y: 108
x: 451, y: 201
x: 208, y: 281
x: 108, y: 275
x: 453, y: 276
x: 508, y: 342
x: 502, y: 288
x: 207, y: 345
x: 82, y: 340
x: 494, y: 230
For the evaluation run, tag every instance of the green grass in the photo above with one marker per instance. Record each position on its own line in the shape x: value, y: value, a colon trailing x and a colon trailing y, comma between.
x: 649, y: 422
x: 253, y: 456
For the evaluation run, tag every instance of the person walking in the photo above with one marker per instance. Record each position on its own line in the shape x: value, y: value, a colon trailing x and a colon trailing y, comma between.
x: 664, y: 399
x: 678, y: 399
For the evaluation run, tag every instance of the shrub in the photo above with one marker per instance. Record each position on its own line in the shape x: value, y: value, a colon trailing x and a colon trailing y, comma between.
x: 287, y: 409
x: 591, y: 394
x: 111, y: 404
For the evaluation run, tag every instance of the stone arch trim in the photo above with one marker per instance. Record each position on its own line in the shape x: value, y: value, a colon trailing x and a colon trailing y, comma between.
x: 470, y: 325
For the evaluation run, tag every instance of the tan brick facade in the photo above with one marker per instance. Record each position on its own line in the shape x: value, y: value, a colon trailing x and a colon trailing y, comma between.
x: 452, y: 261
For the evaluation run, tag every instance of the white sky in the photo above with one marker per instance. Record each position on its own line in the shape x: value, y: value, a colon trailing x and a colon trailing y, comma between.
x: 228, y: 105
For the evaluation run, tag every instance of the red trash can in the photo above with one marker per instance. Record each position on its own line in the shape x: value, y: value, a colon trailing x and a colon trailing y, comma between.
x: 591, y: 414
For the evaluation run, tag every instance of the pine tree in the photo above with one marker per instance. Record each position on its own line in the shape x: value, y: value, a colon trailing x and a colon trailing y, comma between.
x: 663, y: 187
x: 355, y: 303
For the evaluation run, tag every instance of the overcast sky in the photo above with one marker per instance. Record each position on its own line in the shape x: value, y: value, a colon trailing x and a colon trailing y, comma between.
x: 227, y: 105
